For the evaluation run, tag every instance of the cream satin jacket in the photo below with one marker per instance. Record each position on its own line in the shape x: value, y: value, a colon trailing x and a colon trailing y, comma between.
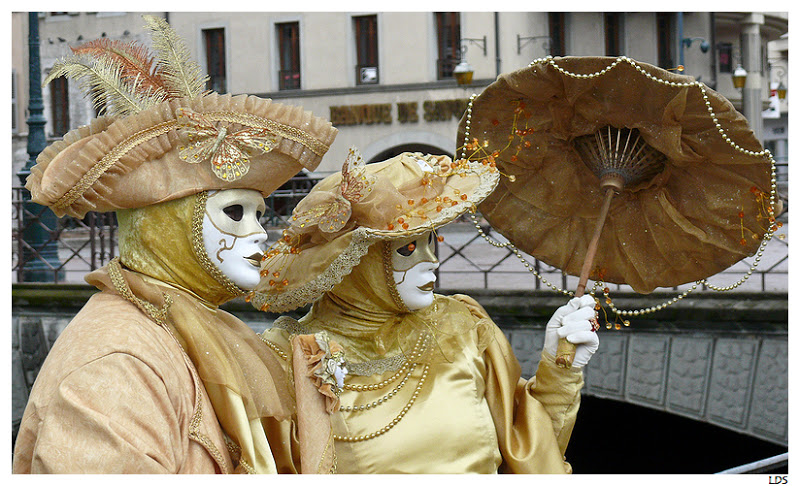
x: 116, y: 395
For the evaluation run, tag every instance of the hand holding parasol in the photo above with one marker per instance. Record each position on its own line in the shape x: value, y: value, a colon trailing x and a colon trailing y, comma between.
x: 620, y: 171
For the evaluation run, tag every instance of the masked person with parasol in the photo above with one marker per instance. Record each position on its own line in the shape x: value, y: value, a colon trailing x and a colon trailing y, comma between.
x: 152, y: 376
x: 413, y: 382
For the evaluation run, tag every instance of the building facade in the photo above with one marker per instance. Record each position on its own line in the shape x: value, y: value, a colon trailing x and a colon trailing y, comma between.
x: 386, y: 79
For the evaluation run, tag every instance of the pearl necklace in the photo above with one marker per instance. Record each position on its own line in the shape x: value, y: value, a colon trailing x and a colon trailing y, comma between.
x: 417, y: 351
x: 395, y: 421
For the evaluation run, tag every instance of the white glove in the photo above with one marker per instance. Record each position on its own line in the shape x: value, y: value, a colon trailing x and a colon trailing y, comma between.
x: 572, y: 321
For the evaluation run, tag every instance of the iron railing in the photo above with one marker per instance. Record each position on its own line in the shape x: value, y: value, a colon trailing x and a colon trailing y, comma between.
x: 467, y: 260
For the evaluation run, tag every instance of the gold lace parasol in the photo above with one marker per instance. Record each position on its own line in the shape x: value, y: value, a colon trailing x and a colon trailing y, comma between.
x: 620, y: 171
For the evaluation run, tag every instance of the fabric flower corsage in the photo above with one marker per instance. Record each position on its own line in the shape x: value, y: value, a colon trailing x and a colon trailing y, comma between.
x: 327, y: 366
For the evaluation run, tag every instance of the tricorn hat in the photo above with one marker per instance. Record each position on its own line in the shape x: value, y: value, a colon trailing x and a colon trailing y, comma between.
x: 164, y: 136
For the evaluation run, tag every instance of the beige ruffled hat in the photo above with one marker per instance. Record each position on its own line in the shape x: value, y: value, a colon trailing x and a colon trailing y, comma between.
x: 334, y: 226
x: 165, y: 136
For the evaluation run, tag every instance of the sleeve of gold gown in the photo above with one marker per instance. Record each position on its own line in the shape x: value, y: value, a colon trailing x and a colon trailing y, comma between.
x: 533, y: 418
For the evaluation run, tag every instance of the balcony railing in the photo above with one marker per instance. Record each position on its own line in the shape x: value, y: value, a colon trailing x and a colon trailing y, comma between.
x: 288, y: 79
x: 444, y: 67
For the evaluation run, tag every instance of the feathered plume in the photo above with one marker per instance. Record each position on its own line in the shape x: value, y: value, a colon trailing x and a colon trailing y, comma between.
x: 181, y: 75
x: 102, y: 80
x: 134, y: 59
x: 123, y: 78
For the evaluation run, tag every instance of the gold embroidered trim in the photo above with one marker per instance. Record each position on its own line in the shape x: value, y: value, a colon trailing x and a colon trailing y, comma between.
x: 97, y: 170
x: 387, y: 270
x: 285, y: 131
x: 366, y: 368
x: 235, y: 451
x: 329, y: 278
x: 121, y: 286
x: 324, y: 452
x: 200, y: 249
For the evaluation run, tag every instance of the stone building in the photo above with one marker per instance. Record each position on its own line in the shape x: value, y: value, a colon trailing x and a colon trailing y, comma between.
x: 386, y: 79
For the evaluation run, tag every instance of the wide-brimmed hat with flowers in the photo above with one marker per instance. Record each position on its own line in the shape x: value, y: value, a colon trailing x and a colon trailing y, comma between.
x: 333, y: 227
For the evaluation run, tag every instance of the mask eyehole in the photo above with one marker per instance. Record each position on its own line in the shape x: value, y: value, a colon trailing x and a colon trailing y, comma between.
x: 235, y: 212
x: 407, y: 250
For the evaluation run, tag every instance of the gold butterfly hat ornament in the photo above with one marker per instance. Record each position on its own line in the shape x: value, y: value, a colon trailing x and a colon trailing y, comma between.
x: 163, y: 136
x: 333, y: 227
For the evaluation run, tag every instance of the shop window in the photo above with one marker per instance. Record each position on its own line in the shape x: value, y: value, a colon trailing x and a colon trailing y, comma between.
x: 725, y: 57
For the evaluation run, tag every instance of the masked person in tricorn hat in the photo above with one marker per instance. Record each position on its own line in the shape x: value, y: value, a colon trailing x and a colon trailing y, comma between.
x: 413, y: 382
x: 151, y: 376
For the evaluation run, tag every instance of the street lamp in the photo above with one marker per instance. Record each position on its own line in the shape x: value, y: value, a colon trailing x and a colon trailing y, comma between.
x: 781, y: 72
x: 739, y: 77
x: 38, y: 222
x: 463, y: 71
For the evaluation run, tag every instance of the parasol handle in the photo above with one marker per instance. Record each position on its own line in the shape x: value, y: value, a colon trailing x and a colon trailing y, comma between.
x: 565, y: 353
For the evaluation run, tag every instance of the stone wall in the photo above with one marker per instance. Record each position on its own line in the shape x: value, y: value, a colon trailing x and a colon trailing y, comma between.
x: 717, y: 358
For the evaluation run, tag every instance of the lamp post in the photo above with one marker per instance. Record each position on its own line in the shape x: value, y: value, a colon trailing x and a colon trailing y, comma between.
x: 686, y: 42
x: 38, y: 222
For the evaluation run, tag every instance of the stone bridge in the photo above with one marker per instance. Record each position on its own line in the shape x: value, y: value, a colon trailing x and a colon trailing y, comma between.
x: 715, y: 358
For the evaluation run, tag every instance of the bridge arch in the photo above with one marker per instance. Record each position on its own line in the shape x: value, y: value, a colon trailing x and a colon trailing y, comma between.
x: 408, y: 141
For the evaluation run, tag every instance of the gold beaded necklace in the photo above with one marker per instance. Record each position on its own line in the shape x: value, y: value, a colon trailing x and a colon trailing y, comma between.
x: 410, y: 365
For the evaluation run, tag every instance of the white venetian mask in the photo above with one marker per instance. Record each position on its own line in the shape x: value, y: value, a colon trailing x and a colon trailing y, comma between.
x: 413, y: 266
x: 232, y: 235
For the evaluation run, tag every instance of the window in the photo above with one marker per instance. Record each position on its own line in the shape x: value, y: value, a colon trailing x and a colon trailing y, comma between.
x: 214, y: 40
x: 59, y: 106
x: 556, y: 22
x: 289, y: 55
x: 725, y: 51
x: 665, y: 39
x: 613, y: 29
x: 366, y: 33
x: 448, y: 43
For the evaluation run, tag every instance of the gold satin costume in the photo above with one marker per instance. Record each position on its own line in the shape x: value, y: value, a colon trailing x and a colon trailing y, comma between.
x: 151, y: 377
x: 462, y: 408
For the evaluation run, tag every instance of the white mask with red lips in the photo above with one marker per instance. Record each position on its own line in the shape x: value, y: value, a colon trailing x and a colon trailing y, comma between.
x: 232, y: 235
x: 413, y: 265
